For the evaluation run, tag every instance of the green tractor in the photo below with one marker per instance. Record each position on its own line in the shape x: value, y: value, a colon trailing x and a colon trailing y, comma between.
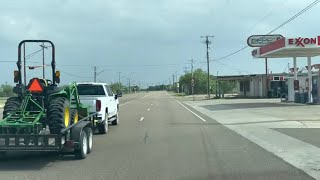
x: 43, y: 116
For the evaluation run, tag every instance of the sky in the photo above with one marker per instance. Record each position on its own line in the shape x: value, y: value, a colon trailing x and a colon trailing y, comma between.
x: 147, y: 41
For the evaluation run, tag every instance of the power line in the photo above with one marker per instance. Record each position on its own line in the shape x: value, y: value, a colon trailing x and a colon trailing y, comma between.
x: 224, y: 57
x: 32, y: 54
x: 135, y: 65
x: 231, y: 67
x: 296, y: 15
x: 267, y: 15
x: 16, y: 61
x: 273, y: 30
x: 75, y: 75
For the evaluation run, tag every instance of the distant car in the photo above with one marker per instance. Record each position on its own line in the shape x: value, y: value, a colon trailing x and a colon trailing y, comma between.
x: 101, y: 99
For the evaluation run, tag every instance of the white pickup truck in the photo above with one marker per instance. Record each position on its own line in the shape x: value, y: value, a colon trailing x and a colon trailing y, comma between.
x: 100, y: 99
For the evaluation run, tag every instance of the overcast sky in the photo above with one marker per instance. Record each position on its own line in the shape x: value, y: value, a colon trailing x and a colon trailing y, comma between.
x: 147, y: 40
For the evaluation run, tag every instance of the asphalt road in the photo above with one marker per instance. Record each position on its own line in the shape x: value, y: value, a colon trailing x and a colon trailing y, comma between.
x: 158, y: 138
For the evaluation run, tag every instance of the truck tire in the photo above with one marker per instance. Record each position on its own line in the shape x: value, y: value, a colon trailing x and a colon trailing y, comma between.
x: 12, y: 104
x: 116, y: 121
x: 103, y: 127
x: 90, y: 139
x: 83, y: 151
x: 74, y: 116
x: 58, y: 114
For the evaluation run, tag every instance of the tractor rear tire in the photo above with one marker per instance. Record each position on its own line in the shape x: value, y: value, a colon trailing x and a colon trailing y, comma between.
x: 59, y: 115
x: 12, y: 104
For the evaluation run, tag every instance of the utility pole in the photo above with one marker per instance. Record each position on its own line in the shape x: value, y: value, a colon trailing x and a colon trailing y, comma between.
x: 43, y: 68
x: 177, y: 82
x: 129, y: 84
x: 185, y: 70
x: 207, y: 42
x: 119, y: 81
x: 217, y: 84
x: 192, y: 79
x: 173, y: 82
x: 95, y: 74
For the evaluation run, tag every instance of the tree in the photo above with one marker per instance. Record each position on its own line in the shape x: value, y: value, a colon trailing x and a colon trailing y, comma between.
x: 157, y: 88
x: 228, y: 86
x: 6, y: 91
x: 200, y: 80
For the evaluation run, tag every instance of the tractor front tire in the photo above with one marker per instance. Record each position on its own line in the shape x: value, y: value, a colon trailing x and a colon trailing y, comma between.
x: 74, y: 116
x: 12, y: 104
x: 59, y: 114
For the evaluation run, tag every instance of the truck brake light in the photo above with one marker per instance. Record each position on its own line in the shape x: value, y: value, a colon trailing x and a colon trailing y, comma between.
x: 98, y: 105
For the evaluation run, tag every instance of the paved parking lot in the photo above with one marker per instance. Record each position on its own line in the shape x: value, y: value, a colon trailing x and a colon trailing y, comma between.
x: 290, y: 131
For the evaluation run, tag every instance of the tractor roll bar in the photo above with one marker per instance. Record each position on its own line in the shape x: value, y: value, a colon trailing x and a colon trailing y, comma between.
x: 53, y: 62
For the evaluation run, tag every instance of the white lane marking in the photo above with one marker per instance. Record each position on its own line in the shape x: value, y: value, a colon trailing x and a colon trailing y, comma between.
x: 134, y: 100
x: 191, y: 111
x: 187, y: 108
x: 146, y: 96
x: 141, y: 119
x: 127, y: 103
x: 148, y: 109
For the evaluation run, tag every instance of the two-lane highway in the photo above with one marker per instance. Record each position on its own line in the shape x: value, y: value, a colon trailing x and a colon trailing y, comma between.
x: 159, y: 138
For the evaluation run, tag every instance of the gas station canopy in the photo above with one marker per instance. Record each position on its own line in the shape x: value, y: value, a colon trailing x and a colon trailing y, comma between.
x: 293, y: 47
x: 289, y: 47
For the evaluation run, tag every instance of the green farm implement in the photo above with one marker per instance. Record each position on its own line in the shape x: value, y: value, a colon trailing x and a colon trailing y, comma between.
x: 44, y: 117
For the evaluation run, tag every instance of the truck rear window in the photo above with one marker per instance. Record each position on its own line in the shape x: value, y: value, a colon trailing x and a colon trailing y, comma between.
x: 91, y: 90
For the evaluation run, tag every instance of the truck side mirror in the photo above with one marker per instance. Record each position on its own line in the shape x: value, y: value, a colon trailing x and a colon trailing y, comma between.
x: 57, y: 74
x: 16, y: 76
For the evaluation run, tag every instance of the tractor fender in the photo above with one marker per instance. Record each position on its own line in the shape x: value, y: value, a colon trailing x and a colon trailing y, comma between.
x: 59, y: 94
x: 76, y: 132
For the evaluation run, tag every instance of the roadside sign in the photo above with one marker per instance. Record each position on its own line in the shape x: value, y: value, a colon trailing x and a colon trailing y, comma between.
x: 262, y: 40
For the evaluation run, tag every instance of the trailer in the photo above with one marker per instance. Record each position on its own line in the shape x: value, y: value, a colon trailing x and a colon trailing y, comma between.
x: 45, y: 117
x: 76, y: 139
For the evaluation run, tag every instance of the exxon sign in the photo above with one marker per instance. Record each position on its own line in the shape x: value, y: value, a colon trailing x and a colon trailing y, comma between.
x: 303, y: 42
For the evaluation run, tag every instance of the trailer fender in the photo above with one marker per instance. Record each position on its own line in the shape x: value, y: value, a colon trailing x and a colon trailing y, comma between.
x: 76, y: 132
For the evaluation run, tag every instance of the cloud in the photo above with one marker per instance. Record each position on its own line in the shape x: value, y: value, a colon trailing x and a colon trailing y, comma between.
x: 123, y: 34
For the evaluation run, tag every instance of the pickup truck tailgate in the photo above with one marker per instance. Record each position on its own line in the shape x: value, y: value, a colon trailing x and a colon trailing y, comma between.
x: 90, y: 101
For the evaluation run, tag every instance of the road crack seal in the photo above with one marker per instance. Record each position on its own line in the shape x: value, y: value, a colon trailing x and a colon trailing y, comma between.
x: 145, y: 137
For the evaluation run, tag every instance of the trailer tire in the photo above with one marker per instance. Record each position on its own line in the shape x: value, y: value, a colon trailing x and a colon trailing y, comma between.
x: 12, y: 104
x: 89, y: 133
x: 58, y: 114
x: 83, y: 151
